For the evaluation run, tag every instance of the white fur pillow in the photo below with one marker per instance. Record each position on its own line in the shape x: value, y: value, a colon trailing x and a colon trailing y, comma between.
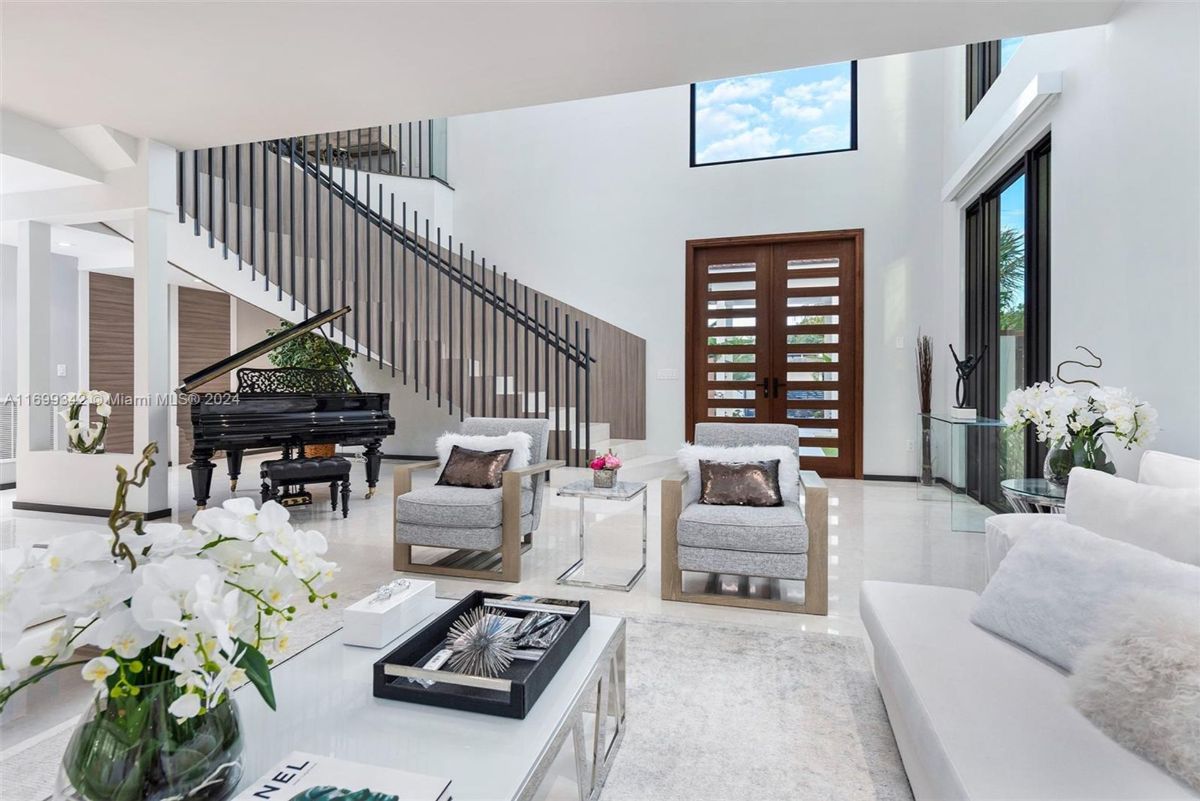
x: 1052, y: 588
x: 1139, y: 682
x: 519, y: 441
x: 689, y: 457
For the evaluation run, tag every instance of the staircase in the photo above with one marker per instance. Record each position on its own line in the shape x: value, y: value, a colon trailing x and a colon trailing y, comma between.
x: 299, y: 223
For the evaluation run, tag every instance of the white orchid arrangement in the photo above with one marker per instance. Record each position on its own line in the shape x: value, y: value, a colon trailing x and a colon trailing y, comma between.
x: 87, y: 438
x: 206, y: 608
x: 1065, y: 419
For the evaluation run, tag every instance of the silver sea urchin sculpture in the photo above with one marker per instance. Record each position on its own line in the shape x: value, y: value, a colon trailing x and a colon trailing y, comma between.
x: 479, y: 644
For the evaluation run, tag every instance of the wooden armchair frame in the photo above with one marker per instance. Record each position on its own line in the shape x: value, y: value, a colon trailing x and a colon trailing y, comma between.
x: 510, y: 536
x: 816, y: 583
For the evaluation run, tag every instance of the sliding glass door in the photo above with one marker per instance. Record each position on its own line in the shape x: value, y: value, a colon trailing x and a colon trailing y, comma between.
x: 1008, y: 314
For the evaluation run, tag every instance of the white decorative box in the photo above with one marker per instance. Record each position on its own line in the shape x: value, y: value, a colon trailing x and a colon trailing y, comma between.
x: 374, y: 625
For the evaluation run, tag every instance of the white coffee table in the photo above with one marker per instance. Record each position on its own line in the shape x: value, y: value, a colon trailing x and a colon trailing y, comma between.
x: 325, y: 706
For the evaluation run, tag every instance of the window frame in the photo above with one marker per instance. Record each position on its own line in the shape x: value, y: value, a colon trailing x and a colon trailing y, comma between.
x: 853, y: 128
x: 981, y: 308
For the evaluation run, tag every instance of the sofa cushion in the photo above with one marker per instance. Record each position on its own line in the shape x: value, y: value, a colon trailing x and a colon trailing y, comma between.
x: 1168, y: 470
x: 689, y: 457
x: 1051, y: 592
x: 744, y: 563
x: 977, y: 717
x: 758, y: 529
x: 1162, y: 519
x: 456, y: 507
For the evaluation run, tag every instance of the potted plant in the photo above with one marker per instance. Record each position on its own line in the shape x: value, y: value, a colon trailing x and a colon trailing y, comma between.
x: 178, y: 619
x: 81, y: 437
x: 604, y: 470
x: 311, y: 351
x: 1073, y: 425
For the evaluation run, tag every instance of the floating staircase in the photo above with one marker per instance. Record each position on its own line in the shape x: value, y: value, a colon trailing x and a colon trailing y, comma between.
x: 300, y: 228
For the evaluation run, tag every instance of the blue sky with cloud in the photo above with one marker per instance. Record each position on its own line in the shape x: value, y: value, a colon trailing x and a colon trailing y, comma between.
x: 802, y: 110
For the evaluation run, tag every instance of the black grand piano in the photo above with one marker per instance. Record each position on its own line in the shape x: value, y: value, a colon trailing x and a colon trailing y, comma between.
x: 283, y: 408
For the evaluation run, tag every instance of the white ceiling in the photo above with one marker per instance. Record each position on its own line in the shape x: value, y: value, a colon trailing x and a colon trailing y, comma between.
x: 19, y: 175
x: 208, y: 73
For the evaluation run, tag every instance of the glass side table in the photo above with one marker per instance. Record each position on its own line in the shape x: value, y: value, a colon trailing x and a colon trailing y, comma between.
x: 949, y: 449
x: 1034, y: 495
x: 583, y: 490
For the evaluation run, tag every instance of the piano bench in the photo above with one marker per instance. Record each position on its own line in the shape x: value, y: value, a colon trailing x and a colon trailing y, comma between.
x: 333, y: 470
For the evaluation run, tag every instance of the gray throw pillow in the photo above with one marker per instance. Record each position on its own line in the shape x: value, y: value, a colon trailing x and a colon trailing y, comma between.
x: 740, y: 484
x: 474, y: 469
x: 1139, y: 681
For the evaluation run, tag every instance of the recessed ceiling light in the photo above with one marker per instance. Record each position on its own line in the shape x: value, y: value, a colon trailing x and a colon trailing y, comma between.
x: 65, y: 244
x: 196, y: 280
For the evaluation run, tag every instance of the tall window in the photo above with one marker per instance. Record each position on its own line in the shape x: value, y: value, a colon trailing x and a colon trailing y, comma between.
x: 985, y: 60
x: 1008, y: 310
x: 775, y: 115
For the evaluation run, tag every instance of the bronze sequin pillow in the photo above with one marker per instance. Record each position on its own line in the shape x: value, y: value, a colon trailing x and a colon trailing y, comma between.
x: 740, y: 484
x: 474, y: 469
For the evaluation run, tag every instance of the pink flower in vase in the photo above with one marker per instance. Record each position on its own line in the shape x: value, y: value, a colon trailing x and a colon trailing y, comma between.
x: 597, y: 463
x: 611, y: 462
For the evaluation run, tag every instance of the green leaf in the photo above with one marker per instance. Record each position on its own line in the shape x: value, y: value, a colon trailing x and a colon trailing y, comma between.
x: 258, y: 671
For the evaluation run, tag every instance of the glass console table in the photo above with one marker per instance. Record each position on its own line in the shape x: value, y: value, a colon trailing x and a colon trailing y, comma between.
x: 1034, y: 495
x: 949, y: 451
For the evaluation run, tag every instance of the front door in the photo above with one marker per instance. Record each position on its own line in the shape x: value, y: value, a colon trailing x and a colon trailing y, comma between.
x: 774, y: 331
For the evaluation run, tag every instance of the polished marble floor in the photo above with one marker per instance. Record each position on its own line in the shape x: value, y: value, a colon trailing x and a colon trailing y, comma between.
x: 878, y: 530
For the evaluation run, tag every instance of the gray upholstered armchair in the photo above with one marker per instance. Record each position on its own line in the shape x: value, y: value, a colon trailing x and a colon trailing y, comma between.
x: 781, y: 542
x: 478, y: 524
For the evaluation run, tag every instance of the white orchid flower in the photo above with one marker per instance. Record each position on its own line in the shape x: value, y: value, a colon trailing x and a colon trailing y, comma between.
x: 185, y: 707
x: 98, y: 670
x: 121, y: 632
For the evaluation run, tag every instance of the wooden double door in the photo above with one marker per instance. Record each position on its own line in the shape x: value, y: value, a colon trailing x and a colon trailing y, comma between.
x: 774, y: 335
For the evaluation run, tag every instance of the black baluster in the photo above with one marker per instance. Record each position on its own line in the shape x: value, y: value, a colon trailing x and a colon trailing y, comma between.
x: 492, y: 394
x: 224, y: 201
x: 504, y: 334
x: 266, y: 235
x: 587, y: 392
x: 449, y: 351
x: 428, y: 316
x: 567, y: 365
x: 291, y: 168
x: 391, y: 152
x: 179, y: 183
x: 462, y: 348
x: 357, y: 145
x: 345, y: 158
x: 208, y: 163
x: 392, y: 262
x: 317, y: 222
x: 250, y: 175
x: 577, y: 402
x: 557, y: 391
x: 380, y: 301
x: 474, y: 377
x: 359, y: 296
x: 237, y: 193
x: 196, y: 190
x: 525, y: 352
x: 409, y: 164
x: 404, y: 335
x: 438, y: 265
x: 329, y: 222
x: 545, y: 401
x: 304, y: 190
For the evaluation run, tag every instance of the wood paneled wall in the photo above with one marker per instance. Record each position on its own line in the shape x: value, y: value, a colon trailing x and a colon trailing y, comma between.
x: 203, y: 340
x: 110, y: 353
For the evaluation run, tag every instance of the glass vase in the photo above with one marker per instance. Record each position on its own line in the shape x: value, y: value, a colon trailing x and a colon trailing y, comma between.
x: 1078, y: 452
x: 132, y: 749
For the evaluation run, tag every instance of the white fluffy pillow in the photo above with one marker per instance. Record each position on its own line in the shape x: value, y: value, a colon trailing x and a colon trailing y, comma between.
x: 519, y: 441
x: 1162, y: 519
x: 1139, y: 682
x: 1052, y: 588
x: 690, y: 456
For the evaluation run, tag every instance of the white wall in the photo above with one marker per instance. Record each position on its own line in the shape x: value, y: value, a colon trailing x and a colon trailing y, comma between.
x: 1125, y: 200
x: 592, y: 202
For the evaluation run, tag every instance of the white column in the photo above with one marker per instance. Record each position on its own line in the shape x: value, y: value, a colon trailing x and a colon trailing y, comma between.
x: 33, y: 336
x: 151, y: 352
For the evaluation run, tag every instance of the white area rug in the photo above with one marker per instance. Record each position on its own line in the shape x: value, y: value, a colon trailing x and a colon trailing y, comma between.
x: 715, y: 712
x: 719, y: 712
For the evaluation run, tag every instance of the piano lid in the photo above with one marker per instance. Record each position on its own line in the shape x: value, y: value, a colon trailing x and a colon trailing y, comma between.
x: 259, y: 348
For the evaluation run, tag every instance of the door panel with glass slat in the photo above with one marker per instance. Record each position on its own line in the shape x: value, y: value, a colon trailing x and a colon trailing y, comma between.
x: 775, y: 324
x: 731, y: 288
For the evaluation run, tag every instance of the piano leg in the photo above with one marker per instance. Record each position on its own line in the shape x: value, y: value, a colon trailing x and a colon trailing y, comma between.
x: 233, y: 459
x: 201, y: 469
x: 373, y: 457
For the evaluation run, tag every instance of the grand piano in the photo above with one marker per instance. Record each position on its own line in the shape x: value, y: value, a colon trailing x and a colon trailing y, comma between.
x: 284, y: 408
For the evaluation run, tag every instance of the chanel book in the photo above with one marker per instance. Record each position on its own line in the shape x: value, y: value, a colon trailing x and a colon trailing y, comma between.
x: 309, y: 777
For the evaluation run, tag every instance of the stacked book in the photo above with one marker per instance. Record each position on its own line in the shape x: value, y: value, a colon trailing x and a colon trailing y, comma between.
x: 309, y: 777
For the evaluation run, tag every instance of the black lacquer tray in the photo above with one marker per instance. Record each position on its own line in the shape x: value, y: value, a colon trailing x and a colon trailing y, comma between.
x: 400, y: 676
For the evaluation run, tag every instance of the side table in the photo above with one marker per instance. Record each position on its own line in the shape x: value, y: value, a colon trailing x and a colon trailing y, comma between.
x: 583, y: 490
x: 1034, y: 495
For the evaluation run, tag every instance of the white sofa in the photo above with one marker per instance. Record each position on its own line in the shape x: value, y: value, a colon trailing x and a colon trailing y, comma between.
x: 977, y: 717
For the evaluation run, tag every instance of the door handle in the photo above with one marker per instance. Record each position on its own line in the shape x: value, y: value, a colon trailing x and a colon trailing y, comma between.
x: 775, y: 385
x: 763, y: 385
